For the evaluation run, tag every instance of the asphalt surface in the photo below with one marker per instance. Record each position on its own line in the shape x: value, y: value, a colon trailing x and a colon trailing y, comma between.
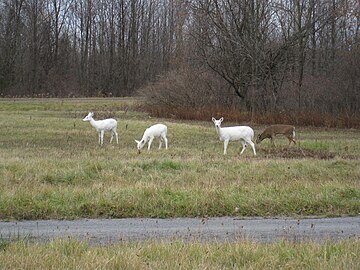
x: 107, y: 231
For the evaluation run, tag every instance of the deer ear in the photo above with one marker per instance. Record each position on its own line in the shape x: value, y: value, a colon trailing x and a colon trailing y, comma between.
x: 213, y: 119
x: 137, y: 141
x: 221, y: 119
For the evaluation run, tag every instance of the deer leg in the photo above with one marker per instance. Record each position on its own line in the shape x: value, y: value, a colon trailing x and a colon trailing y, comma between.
x: 252, y: 146
x: 244, y: 147
x: 272, y: 138
x: 226, y: 142
x: 112, y: 136
x: 99, y: 135
x: 113, y: 132
x: 160, y: 144
x: 166, y: 142
x: 150, y: 142
x: 102, y: 137
x: 117, y: 139
x: 291, y: 139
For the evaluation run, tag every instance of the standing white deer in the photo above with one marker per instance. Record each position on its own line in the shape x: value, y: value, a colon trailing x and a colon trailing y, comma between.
x: 155, y: 131
x: 244, y: 134
x: 103, y: 125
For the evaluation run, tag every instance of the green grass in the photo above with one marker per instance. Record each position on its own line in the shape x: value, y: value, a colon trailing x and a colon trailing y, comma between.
x: 52, y: 167
x: 70, y: 254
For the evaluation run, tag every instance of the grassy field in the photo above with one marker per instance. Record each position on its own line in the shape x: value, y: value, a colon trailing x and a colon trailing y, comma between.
x: 52, y: 167
x: 68, y: 254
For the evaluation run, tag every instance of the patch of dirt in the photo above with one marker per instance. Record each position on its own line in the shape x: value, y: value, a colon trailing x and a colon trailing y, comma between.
x: 350, y: 157
x: 295, y: 152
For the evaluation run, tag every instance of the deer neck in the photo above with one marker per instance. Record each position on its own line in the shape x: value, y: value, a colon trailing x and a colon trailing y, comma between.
x: 144, y: 138
x: 93, y: 123
x: 219, y: 132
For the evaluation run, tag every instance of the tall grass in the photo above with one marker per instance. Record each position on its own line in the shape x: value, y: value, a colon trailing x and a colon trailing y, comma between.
x: 70, y: 254
x: 52, y: 167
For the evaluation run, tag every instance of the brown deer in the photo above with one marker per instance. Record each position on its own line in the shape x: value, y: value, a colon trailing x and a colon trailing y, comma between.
x: 271, y: 131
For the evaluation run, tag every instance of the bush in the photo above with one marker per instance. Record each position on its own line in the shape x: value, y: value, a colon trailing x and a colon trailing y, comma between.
x: 190, y: 94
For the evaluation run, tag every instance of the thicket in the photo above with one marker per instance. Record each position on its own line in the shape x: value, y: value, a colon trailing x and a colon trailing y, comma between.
x: 186, y: 94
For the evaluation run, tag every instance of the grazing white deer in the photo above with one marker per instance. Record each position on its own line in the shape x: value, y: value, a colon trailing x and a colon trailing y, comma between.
x: 244, y: 134
x: 155, y: 131
x: 103, y: 125
x: 271, y: 131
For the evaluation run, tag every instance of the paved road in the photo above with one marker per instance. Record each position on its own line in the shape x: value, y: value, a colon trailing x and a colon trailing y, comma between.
x: 105, y: 231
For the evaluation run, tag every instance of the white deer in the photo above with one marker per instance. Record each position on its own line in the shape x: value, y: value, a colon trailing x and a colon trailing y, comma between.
x: 103, y: 125
x: 155, y: 131
x: 244, y: 134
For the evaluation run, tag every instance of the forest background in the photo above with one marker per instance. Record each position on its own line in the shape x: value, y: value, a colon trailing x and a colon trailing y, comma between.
x: 292, y: 61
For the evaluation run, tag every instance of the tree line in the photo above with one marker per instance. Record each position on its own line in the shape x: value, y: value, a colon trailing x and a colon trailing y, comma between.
x: 259, y: 54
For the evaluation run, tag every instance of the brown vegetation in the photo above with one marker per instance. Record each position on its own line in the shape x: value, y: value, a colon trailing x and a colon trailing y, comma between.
x: 305, y: 118
x: 189, y: 95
